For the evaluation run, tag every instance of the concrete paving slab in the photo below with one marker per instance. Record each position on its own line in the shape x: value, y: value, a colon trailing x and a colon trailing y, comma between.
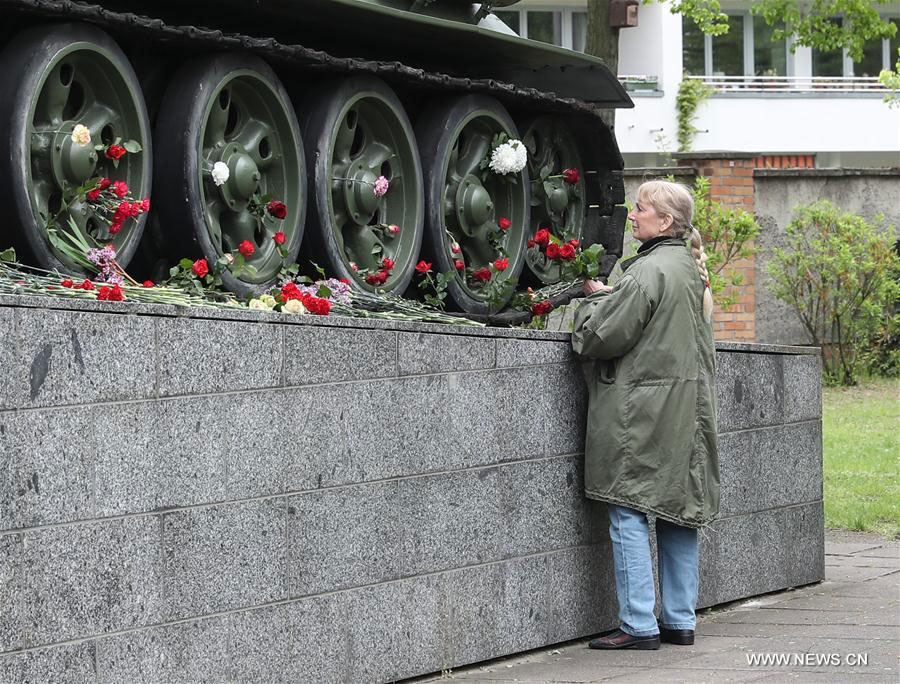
x: 845, y: 549
x: 830, y: 601
x: 780, y: 616
x: 881, y: 552
x: 886, y: 584
x: 826, y: 677
x: 689, y: 676
x: 849, y: 573
x: 780, y: 632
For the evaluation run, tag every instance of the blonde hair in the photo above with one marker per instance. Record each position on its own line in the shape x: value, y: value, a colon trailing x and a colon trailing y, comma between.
x: 673, y: 199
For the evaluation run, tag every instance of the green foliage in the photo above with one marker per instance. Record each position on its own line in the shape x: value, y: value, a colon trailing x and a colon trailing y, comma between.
x: 691, y: 94
x: 891, y: 80
x: 838, y: 274
x: 811, y: 23
x: 726, y: 234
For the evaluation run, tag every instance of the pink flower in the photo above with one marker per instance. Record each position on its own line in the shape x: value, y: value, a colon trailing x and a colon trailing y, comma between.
x: 120, y: 188
x: 394, y: 229
x: 381, y: 186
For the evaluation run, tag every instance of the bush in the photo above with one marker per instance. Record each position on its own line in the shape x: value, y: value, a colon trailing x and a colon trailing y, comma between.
x: 838, y: 274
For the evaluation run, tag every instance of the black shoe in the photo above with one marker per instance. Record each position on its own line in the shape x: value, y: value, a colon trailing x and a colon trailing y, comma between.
x: 682, y: 637
x: 620, y: 639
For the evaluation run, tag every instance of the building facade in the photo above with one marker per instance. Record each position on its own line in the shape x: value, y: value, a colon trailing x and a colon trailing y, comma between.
x: 790, y: 107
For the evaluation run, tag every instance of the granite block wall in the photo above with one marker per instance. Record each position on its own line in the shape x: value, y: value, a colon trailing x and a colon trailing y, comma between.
x: 189, y: 495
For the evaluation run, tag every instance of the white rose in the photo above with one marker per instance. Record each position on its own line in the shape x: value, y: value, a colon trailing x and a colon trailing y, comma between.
x: 258, y: 305
x: 293, y: 306
x: 510, y: 157
x: 81, y: 135
x: 268, y: 300
x: 220, y: 173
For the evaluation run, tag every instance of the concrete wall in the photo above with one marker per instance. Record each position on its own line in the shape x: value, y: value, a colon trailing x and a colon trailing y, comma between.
x: 190, y: 495
x: 866, y: 193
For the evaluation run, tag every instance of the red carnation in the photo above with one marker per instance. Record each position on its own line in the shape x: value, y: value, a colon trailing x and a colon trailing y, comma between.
x: 149, y: 283
x: 116, y: 295
x: 566, y: 252
x: 103, y: 293
x: 93, y: 195
x: 277, y: 209
x: 104, y: 184
x: 134, y: 210
x: 145, y: 205
x: 531, y: 243
x: 387, y: 264
x: 541, y: 308
x: 115, y: 152
x: 482, y: 275
x: 574, y: 243
x: 504, y: 223
x: 379, y: 278
x: 290, y: 291
x: 552, y: 251
x: 67, y: 283
x: 423, y: 267
x: 115, y: 227
x: 85, y: 285
x: 571, y: 176
x: 344, y: 280
x: 501, y: 264
x: 200, y: 268
x: 246, y: 249
x: 460, y: 266
x: 120, y: 189
x: 542, y: 237
x: 279, y: 238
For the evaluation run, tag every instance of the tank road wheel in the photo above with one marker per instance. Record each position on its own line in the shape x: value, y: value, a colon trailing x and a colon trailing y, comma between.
x: 54, y: 78
x: 556, y: 204
x: 464, y: 210
x: 356, y: 132
x: 230, y: 109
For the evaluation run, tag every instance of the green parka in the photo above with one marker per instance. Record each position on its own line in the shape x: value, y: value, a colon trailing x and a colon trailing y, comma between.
x: 650, y: 369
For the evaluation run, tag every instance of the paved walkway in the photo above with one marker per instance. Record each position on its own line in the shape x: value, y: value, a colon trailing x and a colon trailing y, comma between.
x: 852, y: 616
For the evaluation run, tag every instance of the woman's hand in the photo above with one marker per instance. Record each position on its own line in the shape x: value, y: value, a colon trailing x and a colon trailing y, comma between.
x: 591, y: 286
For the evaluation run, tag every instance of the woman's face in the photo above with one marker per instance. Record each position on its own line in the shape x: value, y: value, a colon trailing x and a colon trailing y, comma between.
x: 646, y: 224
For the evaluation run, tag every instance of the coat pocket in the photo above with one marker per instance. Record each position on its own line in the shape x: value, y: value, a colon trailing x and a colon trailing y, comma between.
x: 608, y: 371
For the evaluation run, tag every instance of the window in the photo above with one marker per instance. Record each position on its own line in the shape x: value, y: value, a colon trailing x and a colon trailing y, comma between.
x: 511, y: 19
x: 579, y: 31
x: 728, y: 49
x: 873, y: 60
x: 693, y: 51
x: 769, y: 55
x: 545, y: 26
x: 747, y: 49
x: 830, y: 62
x: 565, y: 26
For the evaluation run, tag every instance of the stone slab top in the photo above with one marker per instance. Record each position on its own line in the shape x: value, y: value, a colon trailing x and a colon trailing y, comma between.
x: 714, y: 154
x: 212, y: 313
x: 655, y: 171
x: 825, y: 172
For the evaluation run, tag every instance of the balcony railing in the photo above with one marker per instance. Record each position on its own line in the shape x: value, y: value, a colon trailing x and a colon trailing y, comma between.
x: 793, y: 84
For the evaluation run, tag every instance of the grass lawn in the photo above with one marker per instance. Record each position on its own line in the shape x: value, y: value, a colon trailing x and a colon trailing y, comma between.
x: 862, y: 456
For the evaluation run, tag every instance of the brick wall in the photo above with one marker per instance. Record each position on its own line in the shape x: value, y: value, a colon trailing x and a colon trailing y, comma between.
x: 731, y: 185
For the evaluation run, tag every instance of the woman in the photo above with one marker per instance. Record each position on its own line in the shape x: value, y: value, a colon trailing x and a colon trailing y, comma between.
x: 651, y: 431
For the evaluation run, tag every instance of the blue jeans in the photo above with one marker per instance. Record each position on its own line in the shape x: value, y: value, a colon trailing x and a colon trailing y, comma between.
x: 678, y: 572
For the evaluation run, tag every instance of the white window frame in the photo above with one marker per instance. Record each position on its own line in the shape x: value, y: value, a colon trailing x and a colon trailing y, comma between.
x: 566, y: 23
x: 749, y: 57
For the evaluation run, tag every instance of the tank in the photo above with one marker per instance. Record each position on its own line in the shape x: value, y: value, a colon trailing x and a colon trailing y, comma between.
x: 364, y: 136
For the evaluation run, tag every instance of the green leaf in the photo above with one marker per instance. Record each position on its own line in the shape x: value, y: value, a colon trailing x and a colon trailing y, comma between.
x: 319, y: 269
x: 132, y: 146
x: 186, y: 264
x: 323, y: 292
x: 174, y: 271
x: 548, y: 187
x: 8, y: 255
x: 546, y: 169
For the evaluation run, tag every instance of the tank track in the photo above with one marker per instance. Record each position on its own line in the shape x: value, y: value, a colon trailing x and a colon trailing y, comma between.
x: 600, y: 223
x: 296, y: 56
